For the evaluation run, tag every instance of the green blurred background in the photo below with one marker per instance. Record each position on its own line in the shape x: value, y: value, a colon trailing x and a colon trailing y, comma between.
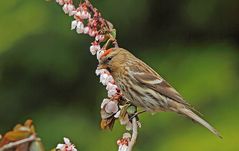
x: 47, y: 71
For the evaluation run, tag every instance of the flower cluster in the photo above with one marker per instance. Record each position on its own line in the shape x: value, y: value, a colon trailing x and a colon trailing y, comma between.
x: 67, y: 146
x: 123, y: 143
x: 113, y: 91
x: 88, y: 20
x: 110, y: 108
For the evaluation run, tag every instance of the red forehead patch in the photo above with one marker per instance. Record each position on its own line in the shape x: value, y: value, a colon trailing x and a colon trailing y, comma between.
x: 106, y: 53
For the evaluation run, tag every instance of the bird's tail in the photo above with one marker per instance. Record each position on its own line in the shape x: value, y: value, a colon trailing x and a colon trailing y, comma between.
x: 189, y: 113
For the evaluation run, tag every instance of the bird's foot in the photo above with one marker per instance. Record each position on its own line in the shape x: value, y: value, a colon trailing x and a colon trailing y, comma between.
x: 136, y: 114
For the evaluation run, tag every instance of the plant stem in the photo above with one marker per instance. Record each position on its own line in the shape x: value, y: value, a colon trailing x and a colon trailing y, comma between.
x: 14, y: 144
x: 134, y: 134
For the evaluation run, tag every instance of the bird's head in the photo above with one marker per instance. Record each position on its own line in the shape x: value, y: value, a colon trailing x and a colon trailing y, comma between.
x: 112, y: 59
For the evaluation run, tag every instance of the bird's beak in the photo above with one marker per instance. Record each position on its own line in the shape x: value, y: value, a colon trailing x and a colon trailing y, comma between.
x: 100, y: 66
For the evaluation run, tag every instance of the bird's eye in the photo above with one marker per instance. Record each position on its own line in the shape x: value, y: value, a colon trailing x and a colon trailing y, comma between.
x: 109, y: 58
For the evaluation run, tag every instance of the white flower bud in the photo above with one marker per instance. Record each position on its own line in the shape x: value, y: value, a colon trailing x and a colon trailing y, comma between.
x: 65, y: 8
x: 70, y: 8
x: 86, y: 30
x: 99, y: 54
x: 60, y: 2
x: 73, y: 12
x: 74, y: 24
x: 101, y: 71
x: 123, y: 147
x: 67, y: 146
x: 94, y: 49
x: 67, y: 141
x: 117, y: 115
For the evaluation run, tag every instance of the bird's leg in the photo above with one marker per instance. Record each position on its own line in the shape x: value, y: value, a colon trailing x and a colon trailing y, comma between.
x: 123, y: 100
x: 130, y: 109
x: 136, y: 114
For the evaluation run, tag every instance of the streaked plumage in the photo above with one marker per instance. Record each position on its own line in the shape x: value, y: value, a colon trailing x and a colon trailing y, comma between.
x: 146, y: 88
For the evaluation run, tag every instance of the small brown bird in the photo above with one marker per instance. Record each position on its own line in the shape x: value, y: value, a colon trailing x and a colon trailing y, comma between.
x: 144, y: 87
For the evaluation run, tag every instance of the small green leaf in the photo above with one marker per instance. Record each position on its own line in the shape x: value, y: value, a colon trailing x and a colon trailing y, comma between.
x: 113, y: 33
x: 131, y: 110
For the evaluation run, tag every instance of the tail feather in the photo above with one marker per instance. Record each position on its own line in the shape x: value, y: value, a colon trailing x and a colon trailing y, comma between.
x: 198, y: 119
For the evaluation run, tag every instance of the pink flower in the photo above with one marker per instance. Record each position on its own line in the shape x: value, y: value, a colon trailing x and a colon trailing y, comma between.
x: 85, y: 15
x: 94, y: 48
x: 112, y: 93
x: 110, y: 79
x: 92, y: 32
x: 104, y: 102
x: 111, y: 86
x: 99, y: 38
x: 123, y: 147
x: 60, y: 2
x: 68, y: 8
x: 71, y: 9
x: 124, y: 142
x: 78, y: 15
x: 111, y: 107
x: 65, y: 8
x: 80, y: 27
x: 82, y: 15
x: 67, y: 146
x: 73, y: 12
x: 103, y: 78
x: 106, y: 78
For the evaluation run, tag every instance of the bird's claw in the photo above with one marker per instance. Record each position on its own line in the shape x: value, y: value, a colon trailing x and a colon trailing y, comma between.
x: 136, y: 115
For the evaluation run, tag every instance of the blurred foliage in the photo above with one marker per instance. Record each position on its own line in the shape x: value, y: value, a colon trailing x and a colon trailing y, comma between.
x: 47, y: 72
x: 21, y: 138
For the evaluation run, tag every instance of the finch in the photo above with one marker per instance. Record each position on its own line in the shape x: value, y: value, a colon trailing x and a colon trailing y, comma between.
x: 145, y: 88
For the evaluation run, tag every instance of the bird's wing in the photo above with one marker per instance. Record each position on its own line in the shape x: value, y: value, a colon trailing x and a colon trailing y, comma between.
x: 159, y: 85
